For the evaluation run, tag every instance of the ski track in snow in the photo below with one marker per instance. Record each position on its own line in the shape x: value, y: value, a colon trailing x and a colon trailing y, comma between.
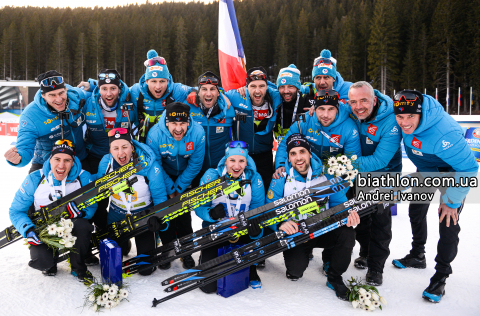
x: 25, y: 291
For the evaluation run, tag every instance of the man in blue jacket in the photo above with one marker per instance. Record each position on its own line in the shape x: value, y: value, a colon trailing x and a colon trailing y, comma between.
x: 155, y: 91
x: 380, y: 138
x: 434, y: 142
x: 260, y: 105
x: 330, y: 131
x: 179, y: 145
x: 104, y: 112
x: 305, y: 169
x: 41, y: 124
x: 61, y: 175
x: 211, y: 111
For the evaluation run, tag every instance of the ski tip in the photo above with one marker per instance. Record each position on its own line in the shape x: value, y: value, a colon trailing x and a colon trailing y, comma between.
x: 142, y: 263
x: 189, y: 271
x: 193, y: 278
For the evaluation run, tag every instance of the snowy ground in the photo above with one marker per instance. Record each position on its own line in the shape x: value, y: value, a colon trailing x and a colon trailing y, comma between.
x: 25, y: 291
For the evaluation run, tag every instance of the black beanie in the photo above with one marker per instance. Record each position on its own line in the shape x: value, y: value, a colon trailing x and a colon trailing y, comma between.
x: 408, y: 102
x: 297, y: 140
x: 326, y: 97
x: 54, y: 84
x: 63, y: 146
x: 256, y: 71
x: 107, y: 80
x: 177, y: 112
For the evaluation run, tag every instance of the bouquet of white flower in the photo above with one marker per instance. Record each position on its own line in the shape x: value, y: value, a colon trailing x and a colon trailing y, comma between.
x: 341, y: 164
x: 58, y: 235
x: 105, y: 295
x: 364, y: 296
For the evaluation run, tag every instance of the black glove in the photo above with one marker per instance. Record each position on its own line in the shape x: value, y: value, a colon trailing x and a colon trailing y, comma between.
x: 155, y: 224
x: 217, y: 212
x: 253, y: 227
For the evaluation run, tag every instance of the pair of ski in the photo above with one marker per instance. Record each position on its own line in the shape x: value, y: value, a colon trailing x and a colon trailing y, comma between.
x: 112, y: 183
x: 265, y: 247
x: 302, y: 202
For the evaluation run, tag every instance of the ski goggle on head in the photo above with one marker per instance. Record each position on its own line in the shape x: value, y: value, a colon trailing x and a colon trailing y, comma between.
x: 65, y: 141
x: 52, y: 81
x: 154, y: 60
x: 120, y: 130
x: 322, y: 60
x: 237, y: 143
x: 208, y: 80
x: 109, y: 75
x: 406, y: 96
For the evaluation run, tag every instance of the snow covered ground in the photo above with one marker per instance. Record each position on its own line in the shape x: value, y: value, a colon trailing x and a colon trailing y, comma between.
x: 25, y: 291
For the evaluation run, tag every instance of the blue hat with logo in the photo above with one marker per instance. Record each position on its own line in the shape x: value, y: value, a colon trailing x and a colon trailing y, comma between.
x: 325, y: 65
x: 156, y: 66
x: 289, y: 76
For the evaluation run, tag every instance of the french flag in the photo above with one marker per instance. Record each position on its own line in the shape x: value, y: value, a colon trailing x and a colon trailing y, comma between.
x: 231, y: 57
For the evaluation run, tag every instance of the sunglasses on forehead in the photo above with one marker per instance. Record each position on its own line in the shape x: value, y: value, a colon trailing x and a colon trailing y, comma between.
x: 237, y: 143
x: 322, y: 60
x: 120, y: 130
x: 52, y: 81
x: 154, y: 60
x: 407, y: 96
x: 65, y: 141
x: 326, y: 92
x: 208, y: 80
x: 260, y: 76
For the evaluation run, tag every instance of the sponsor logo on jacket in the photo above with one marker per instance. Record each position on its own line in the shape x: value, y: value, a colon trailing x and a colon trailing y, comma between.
x: 190, y: 146
x: 335, y: 138
x: 416, y: 143
x: 372, y: 129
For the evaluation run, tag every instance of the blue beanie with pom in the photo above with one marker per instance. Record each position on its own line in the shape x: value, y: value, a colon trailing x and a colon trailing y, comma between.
x: 289, y: 76
x: 157, y: 70
x: 325, y: 65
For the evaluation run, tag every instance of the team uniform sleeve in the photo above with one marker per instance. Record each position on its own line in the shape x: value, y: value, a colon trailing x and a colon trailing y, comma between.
x: 152, y: 138
x: 339, y: 197
x: 386, y: 149
x: 281, y: 155
x: 26, y: 140
x: 195, y: 162
x: 22, y: 201
x: 461, y: 158
x: 181, y: 92
x: 352, y: 143
x: 203, y: 210
x: 85, y: 178
x: 275, y: 192
x: 156, y: 184
x: 102, y: 167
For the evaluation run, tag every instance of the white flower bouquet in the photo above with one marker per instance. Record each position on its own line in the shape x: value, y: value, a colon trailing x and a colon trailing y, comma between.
x: 364, y: 296
x: 105, y: 296
x: 58, y: 235
x: 340, y: 165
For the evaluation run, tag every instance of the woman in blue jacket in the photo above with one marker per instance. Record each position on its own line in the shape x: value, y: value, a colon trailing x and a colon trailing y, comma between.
x: 149, y: 189
x: 61, y: 175
x: 238, y: 164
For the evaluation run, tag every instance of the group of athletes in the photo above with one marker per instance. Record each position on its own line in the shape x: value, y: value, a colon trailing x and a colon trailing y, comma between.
x: 193, y: 135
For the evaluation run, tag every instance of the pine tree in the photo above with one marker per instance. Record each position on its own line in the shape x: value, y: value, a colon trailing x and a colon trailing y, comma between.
x: 58, y: 58
x: 95, y: 48
x: 80, y: 58
x: 180, y: 52
x: 382, y: 50
x: 201, y: 61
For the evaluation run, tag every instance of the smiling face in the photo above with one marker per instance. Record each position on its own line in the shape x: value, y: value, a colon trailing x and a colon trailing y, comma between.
x: 61, y: 164
x: 157, y: 87
x: 109, y: 94
x: 257, y: 90
x: 288, y: 92
x: 56, y: 99
x: 323, y: 82
x: 177, y: 129
x: 361, y: 102
x: 326, y: 114
x: 408, y: 122
x: 121, y: 151
x: 208, y: 95
x: 235, y: 165
x: 299, y: 158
